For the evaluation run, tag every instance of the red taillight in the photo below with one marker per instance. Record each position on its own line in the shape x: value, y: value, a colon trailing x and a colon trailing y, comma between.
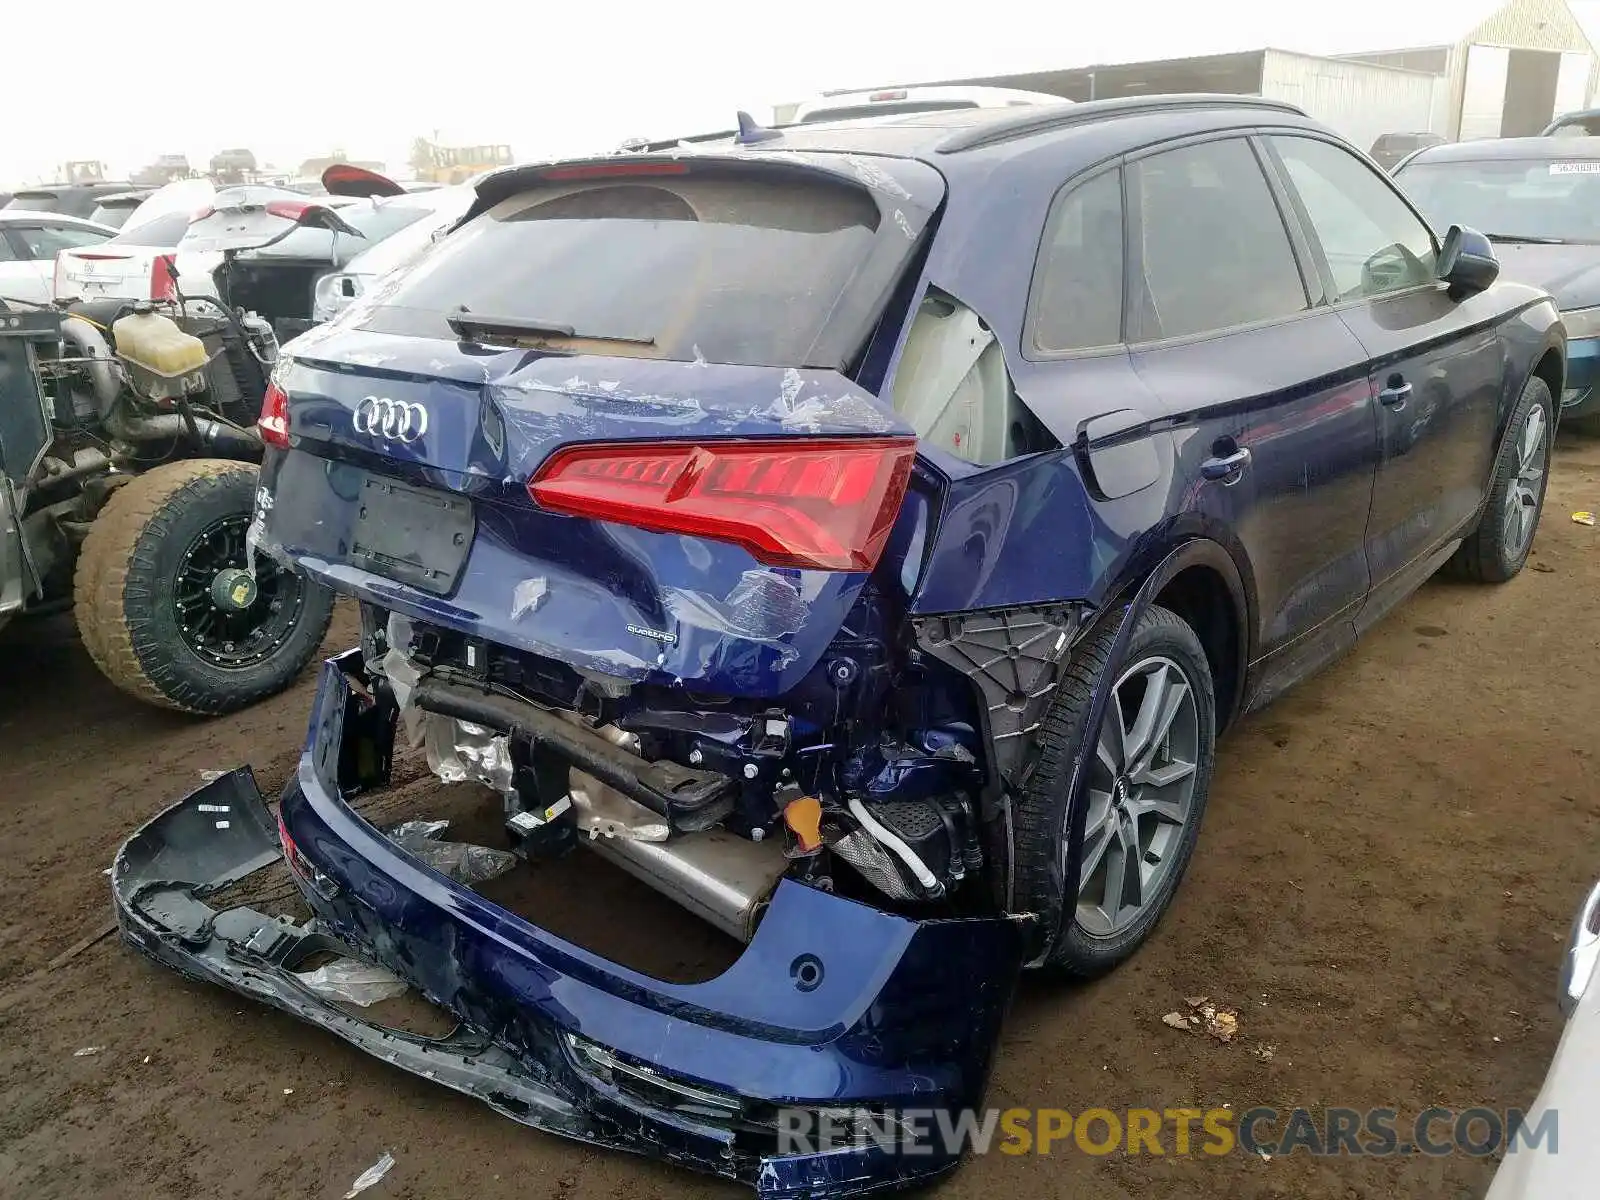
x: 612, y: 170
x: 828, y: 504
x: 163, y: 278
x: 891, y: 94
x: 274, y: 421
x: 289, y: 210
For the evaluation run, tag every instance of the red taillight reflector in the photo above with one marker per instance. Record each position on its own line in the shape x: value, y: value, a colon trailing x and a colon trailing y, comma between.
x: 893, y: 94
x: 164, y: 277
x: 289, y: 210
x: 823, y: 504
x: 273, y: 423
x: 612, y: 170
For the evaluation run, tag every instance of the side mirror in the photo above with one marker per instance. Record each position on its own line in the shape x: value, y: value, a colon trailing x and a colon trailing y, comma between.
x: 1467, y: 262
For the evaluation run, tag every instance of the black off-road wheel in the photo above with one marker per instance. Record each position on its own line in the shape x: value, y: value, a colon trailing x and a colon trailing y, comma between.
x: 1149, y: 775
x: 167, y: 605
x: 1498, y: 548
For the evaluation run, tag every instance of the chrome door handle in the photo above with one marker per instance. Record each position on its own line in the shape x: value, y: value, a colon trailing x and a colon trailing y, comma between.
x: 1396, y: 396
x: 1228, y: 467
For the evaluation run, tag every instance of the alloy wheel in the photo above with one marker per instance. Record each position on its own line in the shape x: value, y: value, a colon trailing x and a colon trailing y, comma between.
x: 1141, y: 795
x: 1527, y: 489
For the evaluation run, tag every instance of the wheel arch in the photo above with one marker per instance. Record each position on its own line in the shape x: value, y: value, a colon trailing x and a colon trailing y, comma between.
x: 1200, y: 581
x: 1552, y: 368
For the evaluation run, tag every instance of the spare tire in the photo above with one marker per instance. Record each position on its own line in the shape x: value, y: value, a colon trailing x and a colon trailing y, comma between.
x: 168, y: 605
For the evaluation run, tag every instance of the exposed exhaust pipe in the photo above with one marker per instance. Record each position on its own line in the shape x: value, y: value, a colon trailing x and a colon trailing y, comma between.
x: 719, y: 876
x: 225, y: 440
x: 101, y: 366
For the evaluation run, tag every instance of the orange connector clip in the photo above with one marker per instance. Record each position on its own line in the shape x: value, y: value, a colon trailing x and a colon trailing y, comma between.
x: 804, y: 819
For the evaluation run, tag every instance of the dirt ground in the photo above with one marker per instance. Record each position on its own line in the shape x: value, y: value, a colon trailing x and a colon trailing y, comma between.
x: 1390, y: 862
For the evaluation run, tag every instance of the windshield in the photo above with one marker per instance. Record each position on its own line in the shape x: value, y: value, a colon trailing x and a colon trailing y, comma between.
x: 1576, y: 127
x: 1509, y: 198
x: 734, y: 269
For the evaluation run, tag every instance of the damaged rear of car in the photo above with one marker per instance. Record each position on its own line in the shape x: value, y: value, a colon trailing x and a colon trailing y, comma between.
x: 642, y: 542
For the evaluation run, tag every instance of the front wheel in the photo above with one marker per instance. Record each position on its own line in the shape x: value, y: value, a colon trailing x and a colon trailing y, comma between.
x: 1149, y: 776
x: 168, y: 604
x: 1498, y: 548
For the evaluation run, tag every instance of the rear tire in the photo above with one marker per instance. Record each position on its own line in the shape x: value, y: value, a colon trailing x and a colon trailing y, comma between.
x: 1498, y: 548
x: 147, y: 627
x: 1152, y: 828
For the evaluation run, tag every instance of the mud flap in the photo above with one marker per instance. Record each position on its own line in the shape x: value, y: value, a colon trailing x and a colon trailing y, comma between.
x: 213, y: 839
x: 1127, y: 621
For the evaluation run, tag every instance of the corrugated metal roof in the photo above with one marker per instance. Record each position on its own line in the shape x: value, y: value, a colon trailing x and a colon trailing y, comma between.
x: 1533, y: 24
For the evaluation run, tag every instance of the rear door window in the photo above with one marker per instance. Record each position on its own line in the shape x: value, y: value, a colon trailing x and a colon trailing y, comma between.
x: 1077, y: 302
x: 733, y: 267
x: 1213, y: 252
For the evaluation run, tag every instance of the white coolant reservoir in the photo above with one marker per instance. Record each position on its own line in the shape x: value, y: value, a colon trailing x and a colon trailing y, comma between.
x: 163, y: 360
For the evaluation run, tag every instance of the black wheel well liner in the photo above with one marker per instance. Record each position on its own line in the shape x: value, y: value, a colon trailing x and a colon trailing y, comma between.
x: 1200, y: 582
x: 1552, y: 369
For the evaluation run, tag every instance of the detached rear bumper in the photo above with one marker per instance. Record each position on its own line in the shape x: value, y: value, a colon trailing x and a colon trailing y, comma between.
x: 833, y: 1006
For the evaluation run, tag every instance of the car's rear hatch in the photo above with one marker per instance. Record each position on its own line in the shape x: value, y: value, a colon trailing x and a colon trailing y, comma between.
x: 664, y: 347
x: 282, y: 244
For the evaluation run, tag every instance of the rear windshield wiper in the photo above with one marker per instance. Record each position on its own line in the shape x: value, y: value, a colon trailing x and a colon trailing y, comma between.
x: 1528, y: 239
x: 464, y: 323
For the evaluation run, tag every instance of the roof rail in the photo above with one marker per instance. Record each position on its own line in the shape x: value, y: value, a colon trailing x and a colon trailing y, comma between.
x: 1024, y: 122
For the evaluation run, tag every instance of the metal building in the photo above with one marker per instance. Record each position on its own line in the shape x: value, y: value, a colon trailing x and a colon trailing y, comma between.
x: 1527, y: 61
x: 1517, y: 64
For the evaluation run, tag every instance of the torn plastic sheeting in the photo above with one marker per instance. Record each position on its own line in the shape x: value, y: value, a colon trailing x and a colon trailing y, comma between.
x: 371, y: 1175
x: 807, y: 416
x: 875, y: 177
x: 527, y: 596
x: 354, y: 982
x: 763, y: 606
x: 402, y: 675
x: 462, y: 861
x: 461, y: 752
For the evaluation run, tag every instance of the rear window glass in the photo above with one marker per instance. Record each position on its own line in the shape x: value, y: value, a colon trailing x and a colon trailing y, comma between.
x: 162, y: 232
x: 35, y: 201
x: 113, y: 215
x: 375, y: 222
x: 735, y: 269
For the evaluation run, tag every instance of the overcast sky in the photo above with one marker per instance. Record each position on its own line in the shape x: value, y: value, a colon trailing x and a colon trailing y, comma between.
x: 291, y: 80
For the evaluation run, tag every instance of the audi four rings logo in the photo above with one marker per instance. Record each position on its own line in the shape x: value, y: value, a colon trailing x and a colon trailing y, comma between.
x: 393, y: 420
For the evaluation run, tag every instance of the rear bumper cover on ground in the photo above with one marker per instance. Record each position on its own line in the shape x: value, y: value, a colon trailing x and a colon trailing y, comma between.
x: 833, y: 1006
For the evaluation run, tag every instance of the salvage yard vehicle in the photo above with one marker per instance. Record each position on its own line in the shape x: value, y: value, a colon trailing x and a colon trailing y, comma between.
x: 1538, y: 201
x: 128, y: 479
x: 277, y: 276
x: 886, y: 102
x: 68, y: 199
x: 1565, y: 1166
x: 861, y: 533
x: 1392, y: 148
x: 29, y: 243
